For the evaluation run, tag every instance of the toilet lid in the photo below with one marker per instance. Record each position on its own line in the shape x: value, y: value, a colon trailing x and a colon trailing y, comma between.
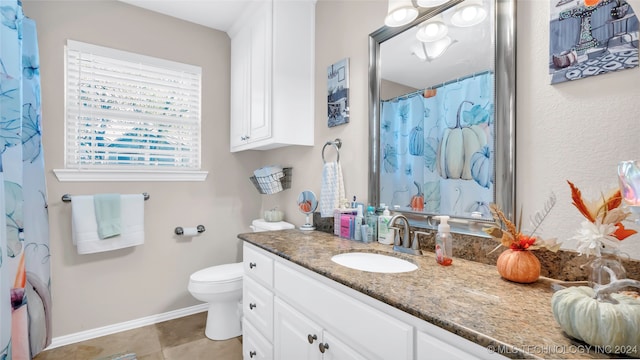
x: 219, y: 273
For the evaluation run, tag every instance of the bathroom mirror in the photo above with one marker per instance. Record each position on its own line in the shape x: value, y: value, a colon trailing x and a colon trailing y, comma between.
x: 307, y: 204
x: 442, y: 115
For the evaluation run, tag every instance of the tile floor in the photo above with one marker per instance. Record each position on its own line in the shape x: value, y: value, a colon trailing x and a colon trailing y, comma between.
x: 178, y: 339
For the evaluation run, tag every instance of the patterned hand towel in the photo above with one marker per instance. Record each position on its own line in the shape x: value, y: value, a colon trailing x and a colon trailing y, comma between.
x: 332, y: 189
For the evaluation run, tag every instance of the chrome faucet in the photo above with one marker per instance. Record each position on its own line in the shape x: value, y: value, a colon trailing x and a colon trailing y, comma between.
x: 406, y: 245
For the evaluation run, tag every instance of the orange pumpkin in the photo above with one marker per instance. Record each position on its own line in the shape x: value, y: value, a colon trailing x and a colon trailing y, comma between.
x: 417, y: 200
x: 519, y: 266
x: 428, y: 93
x: 305, y: 206
x: 591, y: 3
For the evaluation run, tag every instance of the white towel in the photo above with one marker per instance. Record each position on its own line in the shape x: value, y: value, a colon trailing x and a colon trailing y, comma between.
x: 84, y: 228
x: 332, y: 190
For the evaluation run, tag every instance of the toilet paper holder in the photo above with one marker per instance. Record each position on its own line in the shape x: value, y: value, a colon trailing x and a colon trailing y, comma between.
x: 180, y: 230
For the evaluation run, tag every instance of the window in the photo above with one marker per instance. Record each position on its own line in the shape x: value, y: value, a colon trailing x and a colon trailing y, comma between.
x: 130, y: 116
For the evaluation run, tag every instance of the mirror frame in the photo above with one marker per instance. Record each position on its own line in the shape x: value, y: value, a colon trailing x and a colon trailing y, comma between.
x: 505, y: 113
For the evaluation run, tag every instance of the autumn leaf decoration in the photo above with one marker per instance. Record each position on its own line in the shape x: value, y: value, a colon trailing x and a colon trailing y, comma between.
x: 511, y: 236
x: 605, y: 210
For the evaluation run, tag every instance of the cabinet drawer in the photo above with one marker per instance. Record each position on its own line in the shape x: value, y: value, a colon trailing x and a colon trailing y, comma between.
x: 369, y: 331
x: 258, y: 266
x: 257, y: 303
x: 254, y: 345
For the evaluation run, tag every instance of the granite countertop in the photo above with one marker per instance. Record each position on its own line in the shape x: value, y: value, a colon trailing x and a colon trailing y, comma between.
x: 468, y: 298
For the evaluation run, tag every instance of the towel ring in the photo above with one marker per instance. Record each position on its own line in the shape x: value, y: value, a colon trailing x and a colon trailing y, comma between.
x: 337, y: 143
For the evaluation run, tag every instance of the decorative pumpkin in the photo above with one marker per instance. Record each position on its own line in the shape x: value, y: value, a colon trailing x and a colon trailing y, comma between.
x: 305, y: 206
x: 416, y: 141
x: 519, y: 266
x: 429, y: 93
x: 457, y: 147
x: 614, y: 326
x: 273, y: 215
x: 417, y: 200
x: 481, y: 167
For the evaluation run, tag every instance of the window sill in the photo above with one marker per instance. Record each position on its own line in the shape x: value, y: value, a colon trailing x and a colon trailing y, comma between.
x: 128, y: 175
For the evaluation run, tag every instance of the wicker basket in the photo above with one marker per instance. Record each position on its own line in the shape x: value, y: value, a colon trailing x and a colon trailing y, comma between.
x: 274, y: 183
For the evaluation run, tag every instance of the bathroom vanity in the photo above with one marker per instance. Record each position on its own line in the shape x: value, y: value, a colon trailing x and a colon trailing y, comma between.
x: 298, y: 304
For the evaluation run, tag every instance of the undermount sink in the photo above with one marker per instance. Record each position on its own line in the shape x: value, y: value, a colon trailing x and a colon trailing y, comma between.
x: 373, y: 262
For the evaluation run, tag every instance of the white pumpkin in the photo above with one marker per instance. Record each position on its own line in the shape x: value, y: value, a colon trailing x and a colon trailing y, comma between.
x: 616, y: 327
x: 457, y: 147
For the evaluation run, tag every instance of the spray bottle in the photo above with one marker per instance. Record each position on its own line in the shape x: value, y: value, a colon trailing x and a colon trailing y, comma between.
x: 444, y: 250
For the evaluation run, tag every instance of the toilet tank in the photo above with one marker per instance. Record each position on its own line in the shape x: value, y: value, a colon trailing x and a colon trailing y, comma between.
x: 262, y: 225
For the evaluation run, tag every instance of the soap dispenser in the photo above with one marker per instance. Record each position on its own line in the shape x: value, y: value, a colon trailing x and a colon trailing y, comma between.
x: 385, y: 235
x: 444, y: 251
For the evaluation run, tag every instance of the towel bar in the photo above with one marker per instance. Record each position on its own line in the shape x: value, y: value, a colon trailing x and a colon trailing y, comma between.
x: 67, y: 197
x: 337, y: 143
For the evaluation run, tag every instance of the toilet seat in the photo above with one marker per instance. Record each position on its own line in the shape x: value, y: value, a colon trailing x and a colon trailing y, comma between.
x: 217, y: 279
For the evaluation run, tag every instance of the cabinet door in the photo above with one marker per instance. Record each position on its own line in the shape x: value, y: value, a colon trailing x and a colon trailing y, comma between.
x: 240, y: 87
x: 251, y: 74
x: 338, y: 350
x: 258, y: 307
x: 428, y: 347
x: 254, y: 346
x: 261, y: 75
x: 295, y: 336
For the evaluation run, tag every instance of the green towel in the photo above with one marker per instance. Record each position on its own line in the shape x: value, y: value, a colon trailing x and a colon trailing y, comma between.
x: 107, y: 208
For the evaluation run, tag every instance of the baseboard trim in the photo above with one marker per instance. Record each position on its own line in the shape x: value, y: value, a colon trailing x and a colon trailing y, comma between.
x: 127, y: 325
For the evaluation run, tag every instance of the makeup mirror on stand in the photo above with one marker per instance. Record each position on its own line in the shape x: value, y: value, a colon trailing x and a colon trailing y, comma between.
x: 307, y: 204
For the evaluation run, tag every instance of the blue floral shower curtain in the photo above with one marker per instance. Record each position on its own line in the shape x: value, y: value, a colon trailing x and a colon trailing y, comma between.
x: 25, y: 300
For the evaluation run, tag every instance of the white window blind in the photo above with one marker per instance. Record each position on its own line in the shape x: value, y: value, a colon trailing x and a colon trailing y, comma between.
x: 130, y: 111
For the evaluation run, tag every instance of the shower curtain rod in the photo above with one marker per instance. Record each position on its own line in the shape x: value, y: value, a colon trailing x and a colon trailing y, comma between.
x: 67, y: 197
x: 419, y: 92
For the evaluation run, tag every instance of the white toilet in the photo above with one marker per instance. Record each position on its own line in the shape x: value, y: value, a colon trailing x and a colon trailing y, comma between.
x: 221, y: 287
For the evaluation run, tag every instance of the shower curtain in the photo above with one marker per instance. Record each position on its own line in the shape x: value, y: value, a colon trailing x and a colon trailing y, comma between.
x: 438, y: 143
x: 25, y: 300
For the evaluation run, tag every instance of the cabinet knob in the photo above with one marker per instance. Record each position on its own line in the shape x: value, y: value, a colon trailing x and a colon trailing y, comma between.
x: 311, y: 338
x: 252, y: 265
x: 252, y: 306
x: 252, y: 354
x: 323, y: 347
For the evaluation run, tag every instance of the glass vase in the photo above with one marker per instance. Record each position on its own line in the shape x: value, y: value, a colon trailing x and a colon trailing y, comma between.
x: 602, y: 268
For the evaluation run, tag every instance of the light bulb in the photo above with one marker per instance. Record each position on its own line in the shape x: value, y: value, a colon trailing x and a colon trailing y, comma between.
x: 469, y: 13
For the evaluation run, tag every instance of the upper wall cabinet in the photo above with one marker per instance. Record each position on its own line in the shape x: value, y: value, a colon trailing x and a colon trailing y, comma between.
x: 272, y: 75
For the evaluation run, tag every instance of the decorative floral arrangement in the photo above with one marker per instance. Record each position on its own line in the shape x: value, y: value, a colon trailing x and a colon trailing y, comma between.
x: 512, y: 236
x: 603, y: 225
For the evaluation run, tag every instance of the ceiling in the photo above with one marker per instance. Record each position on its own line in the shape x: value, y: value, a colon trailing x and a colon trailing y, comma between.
x: 216, y: 14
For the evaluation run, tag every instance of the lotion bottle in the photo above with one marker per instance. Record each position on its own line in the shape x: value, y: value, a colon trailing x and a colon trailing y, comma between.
x: 385, y: 235
x: 444, y: 251
x: 358, y: 228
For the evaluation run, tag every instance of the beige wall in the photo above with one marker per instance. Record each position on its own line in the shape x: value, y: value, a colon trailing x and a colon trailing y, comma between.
x: 576, y: 131
x: 95, y: 290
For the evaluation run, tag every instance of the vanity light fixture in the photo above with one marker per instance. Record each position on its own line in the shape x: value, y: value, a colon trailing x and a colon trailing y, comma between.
x: 431, y: 30
x: 469, y: 13
x: 429, y: 51
x: 401, y: 12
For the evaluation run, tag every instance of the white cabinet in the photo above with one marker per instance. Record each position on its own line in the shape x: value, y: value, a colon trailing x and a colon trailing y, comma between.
x: 372, y: 333
x: 297, y: 337
x: 257, y: 305
x: 297, y: 314
x: 272, y: 75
